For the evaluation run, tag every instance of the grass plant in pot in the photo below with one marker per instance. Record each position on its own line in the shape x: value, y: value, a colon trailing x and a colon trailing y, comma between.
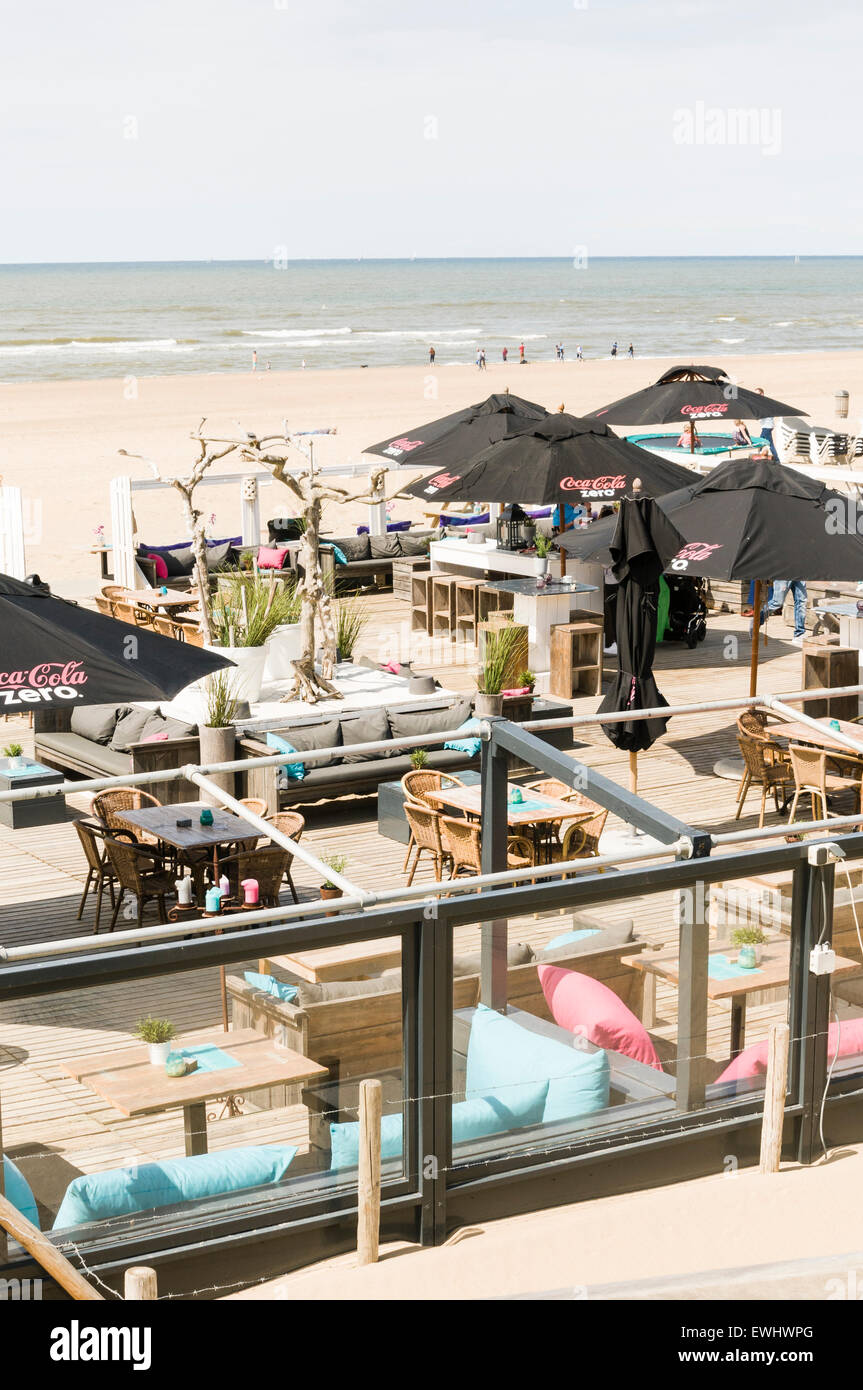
x: 157, y: 1033
x: 543, y: 546
x: 501, y: 647
x: 750, y: 945
x: 217, y: 735
x: 351, y: 617
x: 15, y: 754
x: 419, y: 759
x: 337, y: 863
x: 246, y: 613
x: 285, y: 644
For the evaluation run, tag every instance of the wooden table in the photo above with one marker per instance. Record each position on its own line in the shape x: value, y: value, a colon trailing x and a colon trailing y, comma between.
x: 161, y: 821
x: 771, y: 973
x: 352, y: 962
x: 538, y: 809
x: 154, y: 598
x: 127, y: 1080
x: 798, y: 732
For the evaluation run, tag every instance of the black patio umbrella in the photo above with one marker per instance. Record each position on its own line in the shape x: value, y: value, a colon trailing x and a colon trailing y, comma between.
x: 61, y: 654
x: 643, y: 543
x: 454, y: 438
x: 556, y: 460
x: 691, y: 393
x: 751, y: 519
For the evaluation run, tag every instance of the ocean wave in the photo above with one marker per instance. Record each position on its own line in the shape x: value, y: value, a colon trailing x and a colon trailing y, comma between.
x: 732, y: 340
x: 289, y: 333
x: 107, y: 346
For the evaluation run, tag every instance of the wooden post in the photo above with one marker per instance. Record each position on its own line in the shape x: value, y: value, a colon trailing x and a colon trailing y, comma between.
x: 140, y: 1283
x: 46, y: 1254
x: 369, y: 1178
x: 774, y: 1098
x: 633, y: 773
x: 753, y: 655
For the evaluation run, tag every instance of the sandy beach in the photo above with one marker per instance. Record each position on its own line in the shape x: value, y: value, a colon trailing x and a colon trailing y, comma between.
x: 60, y: 440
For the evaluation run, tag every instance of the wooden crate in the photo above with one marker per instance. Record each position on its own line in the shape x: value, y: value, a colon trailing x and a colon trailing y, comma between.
x: 576, y: 658
x: 442, y: 604
x: 825, y: 666
x: 467, y: 608
x: 421, y: 601
x: 493, y: 601
x: 403, y: 572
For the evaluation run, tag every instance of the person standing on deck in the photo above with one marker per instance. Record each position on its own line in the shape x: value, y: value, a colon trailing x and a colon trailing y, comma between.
x: 798, y: 593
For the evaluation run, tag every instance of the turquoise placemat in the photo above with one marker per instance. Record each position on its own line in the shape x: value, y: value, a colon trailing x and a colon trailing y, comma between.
x: 32, y: 770
x: 721, y: 968
x: 532, y: 806
x: 208, y: 1056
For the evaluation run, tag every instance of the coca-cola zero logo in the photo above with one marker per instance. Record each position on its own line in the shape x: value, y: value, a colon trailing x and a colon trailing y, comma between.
x: 594, y: 487
x: 46, y: 681
x: 403, y: 446
x: 692, y: 552
x: 440, y: 480
x: 707, y: 411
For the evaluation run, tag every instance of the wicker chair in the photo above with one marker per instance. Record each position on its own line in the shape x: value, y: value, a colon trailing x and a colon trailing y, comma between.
x: 763, y: 768
x: 141, y: 872
x: 588, y: 817
x: 108, y: 807
x: 415, y: 785
x: 809, y: 768
x: 425, y: 839
x: 268, y: 865
x: 462, y: 839
x: 100, y: 873
x: 752, y: 723
x: 290, y: 823
x: 105, y: 606
x: 256, y: 805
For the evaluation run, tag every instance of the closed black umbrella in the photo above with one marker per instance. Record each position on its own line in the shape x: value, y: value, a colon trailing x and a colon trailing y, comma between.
x: 691, y: 393
x: 643, y: 543
x: 751, y: 519
x: 58, y: 654
x: 454, y: 438
x: 556, y: 460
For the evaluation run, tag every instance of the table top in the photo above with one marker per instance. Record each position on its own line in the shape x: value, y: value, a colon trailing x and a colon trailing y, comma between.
x: 154, y: 598
x: 843, y: 609
x: 773, y: 970
x: 127, y: 1080
x: 349, y: 962
x: 798, y: 732
x: 535, y: 808
x: 30, y: 772
x: 555, y: 588
x: 161, y: 821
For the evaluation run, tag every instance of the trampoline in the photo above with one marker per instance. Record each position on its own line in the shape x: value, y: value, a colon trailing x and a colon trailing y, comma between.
x: 711, y: 444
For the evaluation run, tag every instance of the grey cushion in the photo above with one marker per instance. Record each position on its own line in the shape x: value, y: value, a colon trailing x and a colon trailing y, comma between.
x: 343, y: 989
x: 96, y: 722
x: 517, y: 953
x: 413, y: 545
x: 309, y: 737
x: 217, y: 555
x: 84, y: 753
x: 406, y: 724
x: 164, y: 724
x: 385, y: 547
x: 130, y: 729
x: 368, y: 728
x: 617, y: 934
x: 352, y: 547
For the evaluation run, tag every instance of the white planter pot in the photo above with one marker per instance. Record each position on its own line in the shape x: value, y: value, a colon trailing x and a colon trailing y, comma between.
x: 248, y: 676
x: 540, y: 565
x: 16, y: 763
x: 158, y: 1053
x: 285, y: 645
x: 487, y: 704
x: 217, y: 746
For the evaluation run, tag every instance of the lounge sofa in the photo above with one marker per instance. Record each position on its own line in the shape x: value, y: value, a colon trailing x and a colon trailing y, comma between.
x: 344, y: 773
x: 113, y: 740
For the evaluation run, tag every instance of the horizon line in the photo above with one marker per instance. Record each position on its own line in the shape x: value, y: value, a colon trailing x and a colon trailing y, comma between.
x: 410, y: 260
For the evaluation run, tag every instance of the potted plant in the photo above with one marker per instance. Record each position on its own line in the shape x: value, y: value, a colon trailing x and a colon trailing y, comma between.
x: 750, y: 942
x: 15, y: 753
x: 543, y: 545
x: 157, y: 1034
x: 529, y: 679
x: 351, y: 618
x: 419, y: 759
x: 338, y: 863
x: 500, y: 648
x: 216, y: 732
x: 285, y: 643
x: 246, y: 612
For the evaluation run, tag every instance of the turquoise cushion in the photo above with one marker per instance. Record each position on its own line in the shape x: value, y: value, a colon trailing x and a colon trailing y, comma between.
x: 295, y: 772
x: 471, y: 1119
x: 504, y: 1057
x: 566, y: 938
x: 340, y: 556
x: 122, y: 1191
x: 471, y: 746
x: 18, y: 1192
x: 268, y: 984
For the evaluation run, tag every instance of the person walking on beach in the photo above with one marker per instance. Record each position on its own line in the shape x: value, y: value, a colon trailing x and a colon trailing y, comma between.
x: 765, y: 428
x: 521, y: 357
x: 561, y: 352
x: 482, y: 359
x: 630, y: 351
x: 504, y: 354
x: 614, y: 348
x: 431, y: 356
x: 798, y: 593
x: 579, y: 355
x: 254, y: 359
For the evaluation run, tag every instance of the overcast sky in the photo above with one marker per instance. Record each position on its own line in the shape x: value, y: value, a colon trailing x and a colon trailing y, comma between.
x: 188, y: 129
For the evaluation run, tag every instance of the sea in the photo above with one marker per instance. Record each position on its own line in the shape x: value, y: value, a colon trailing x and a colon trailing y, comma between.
x: 154, y: 318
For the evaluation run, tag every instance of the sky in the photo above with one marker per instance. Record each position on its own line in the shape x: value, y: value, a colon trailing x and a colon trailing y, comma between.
x: 247, y: 129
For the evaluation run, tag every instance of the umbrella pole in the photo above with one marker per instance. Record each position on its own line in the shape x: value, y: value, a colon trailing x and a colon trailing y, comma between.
x: 633, y: 773
x: 756, y: 627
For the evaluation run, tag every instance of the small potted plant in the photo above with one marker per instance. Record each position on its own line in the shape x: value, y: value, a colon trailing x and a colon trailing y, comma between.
x: 338, y: 863
x: 749, y: 942
x: 543, y: 546
x: 157, y: 1033
x: 500, y: 648
x: 15, y: 753
x: 419, y: 759
x: 527, y: 678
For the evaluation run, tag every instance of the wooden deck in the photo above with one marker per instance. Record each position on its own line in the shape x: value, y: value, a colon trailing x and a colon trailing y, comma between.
x: 49, y: 1117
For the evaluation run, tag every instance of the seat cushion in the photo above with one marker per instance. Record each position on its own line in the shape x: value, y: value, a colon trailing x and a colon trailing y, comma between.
x: 385, y: 547
x: 418, y: 724
x: 84, y: 753
x: 504, y: 1057
x: 97, y: 722
x: 517, y: 953
x: 123, y: 1191
x: 307, y: 738
x: 179, y: 559
x: 372, y: 727
x: 352, y: 547
x: 130, y: 728
x: 165, y: 724
x: 583, y: 1005
x: 414, y: 545
x: 19, y: 1192
x: 752, y: 1061
x: 587, y: 938
x: 309, y: 993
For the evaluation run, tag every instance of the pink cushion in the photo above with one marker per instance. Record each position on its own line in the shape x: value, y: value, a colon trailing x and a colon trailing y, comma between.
x: 155, y: 738
x: 272, y: 558
x: 161, y: 567
x: 584, y: 1005
x: 753, y: 1060
x: 393, y: 666
x: 520, y: 690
